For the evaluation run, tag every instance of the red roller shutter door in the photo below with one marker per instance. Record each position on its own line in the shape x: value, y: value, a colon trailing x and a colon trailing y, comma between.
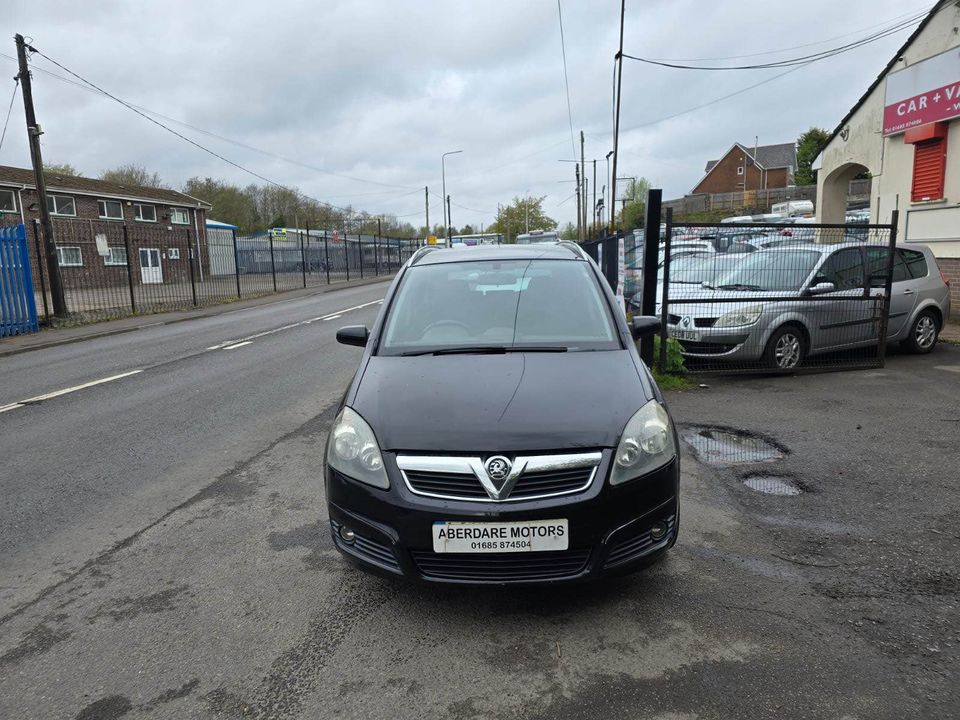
x: 929, y: 164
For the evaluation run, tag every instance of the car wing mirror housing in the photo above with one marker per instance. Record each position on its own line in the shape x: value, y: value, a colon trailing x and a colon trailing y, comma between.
x: 353, y: 335
x: 644, y: 326
x: 820, y: 288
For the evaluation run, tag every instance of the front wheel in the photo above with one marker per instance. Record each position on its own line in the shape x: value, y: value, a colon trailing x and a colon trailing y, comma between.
x: 786, y: 349
x: 924, y: 333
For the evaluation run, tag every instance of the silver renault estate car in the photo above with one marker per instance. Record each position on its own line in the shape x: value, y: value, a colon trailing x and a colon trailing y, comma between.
x: 796, y: 301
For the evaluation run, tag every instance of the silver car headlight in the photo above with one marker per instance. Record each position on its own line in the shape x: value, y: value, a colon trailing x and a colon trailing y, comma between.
x: 352, y: 450
x: 646, y: 444
x: 742, y: 316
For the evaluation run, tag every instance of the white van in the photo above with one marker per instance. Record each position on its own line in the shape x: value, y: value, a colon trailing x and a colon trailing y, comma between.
x: 793, y: 208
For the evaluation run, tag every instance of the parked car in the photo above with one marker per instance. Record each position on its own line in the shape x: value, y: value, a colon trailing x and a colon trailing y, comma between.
x: 758, y: 324
x: 688, y: 273
x: 454, y: 458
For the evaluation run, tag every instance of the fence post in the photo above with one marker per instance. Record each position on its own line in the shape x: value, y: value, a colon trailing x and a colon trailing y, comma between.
x: 887, y: 289
x: 650, y: 262
x: 193, y: 280
x: 326, y: 256
x: 360, y: 248
x: 376, y: 256
x: 664, y: 312
x: 303, y: 256
x: 126, y: 249
x: 346, y: 251
x: 40, y: 259
x: 236, y: 260
x: 273, y: 263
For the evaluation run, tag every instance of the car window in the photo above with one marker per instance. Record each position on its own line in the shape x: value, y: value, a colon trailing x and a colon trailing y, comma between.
x: 770, y: 270
x: 844, y: 268
x: 499, y: 303
x: 916, y: 263
x: 877, y: 258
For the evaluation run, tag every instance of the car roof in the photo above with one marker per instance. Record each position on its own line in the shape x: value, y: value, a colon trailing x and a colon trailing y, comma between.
x: 537, y: 251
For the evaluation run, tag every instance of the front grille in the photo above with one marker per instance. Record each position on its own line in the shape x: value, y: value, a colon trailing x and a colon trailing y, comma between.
x: 705, y: 322
x: 551, y: 482
x: 366, y: 549
x: 501, y: 567
x: 633, y: 547
x: 674, y: 319
x: 706, y: 348
x: 450, y: 484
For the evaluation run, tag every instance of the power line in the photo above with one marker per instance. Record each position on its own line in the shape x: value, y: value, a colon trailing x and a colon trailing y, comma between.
x: 566, y: 81
x: 803, y: 60
x: 13, y: 96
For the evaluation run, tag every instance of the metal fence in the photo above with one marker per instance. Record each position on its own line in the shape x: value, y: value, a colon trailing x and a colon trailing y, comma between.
x: 18, y: 311
x: 112, y: 269
x: 774, y: 298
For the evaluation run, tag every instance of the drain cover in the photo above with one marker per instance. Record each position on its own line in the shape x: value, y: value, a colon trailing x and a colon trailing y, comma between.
x: 771, y: 485
x: 716, y: 446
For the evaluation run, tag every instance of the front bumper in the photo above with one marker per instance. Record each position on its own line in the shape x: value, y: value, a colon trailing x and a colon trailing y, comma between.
x: 737, y: 343
x: 609, y: 529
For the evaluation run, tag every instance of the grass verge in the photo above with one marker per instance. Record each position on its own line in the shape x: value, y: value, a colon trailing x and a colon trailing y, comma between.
x: 673, y: 382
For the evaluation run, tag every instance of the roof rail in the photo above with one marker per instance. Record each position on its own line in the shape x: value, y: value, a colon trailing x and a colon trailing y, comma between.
x: 579, y: 251
x: 418, y: 255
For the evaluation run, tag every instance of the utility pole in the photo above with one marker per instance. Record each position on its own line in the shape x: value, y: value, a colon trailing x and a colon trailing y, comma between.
x: 33, y: 136
x: 583, y: 166
x: 586, y: 202
x: 616, y: 119
x: 426, y: 203
x: 593, y: 220
x: 449, y: 221
x: 579, y: 212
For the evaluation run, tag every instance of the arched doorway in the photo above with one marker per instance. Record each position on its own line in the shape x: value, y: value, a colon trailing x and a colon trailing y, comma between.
x: 833, y: 190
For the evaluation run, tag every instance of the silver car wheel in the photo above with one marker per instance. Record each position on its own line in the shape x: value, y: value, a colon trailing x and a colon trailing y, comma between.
x: 925, y: 332
x: 787, y: 351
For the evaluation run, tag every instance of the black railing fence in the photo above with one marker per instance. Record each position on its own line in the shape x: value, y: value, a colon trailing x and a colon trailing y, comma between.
x: 113, y: 269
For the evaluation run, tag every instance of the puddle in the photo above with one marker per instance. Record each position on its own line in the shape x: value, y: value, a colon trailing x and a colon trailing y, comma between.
x: 771, y: 485
x: 728, y: 446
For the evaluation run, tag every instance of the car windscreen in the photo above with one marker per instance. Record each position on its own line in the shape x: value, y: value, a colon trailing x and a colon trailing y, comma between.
x: 770, y: 270
x: 689, y: 270
x: 499, y: 304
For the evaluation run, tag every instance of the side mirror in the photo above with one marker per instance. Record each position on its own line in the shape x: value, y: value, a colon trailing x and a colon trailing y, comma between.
x: 821, y: 288
x: 644, y: 326
x: 353, y: 335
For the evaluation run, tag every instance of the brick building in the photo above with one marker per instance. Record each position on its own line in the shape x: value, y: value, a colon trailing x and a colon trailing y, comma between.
x: 738, y: 170
x: 163, y: 228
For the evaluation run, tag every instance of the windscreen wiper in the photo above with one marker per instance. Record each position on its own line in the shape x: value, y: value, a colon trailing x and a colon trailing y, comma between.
x: 486, y: 350
x: 739, y: 286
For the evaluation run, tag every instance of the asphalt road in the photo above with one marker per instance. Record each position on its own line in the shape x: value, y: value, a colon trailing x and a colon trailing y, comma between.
x: 165, y: 553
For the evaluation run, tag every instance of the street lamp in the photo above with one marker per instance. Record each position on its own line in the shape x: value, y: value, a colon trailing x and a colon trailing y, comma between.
x: 443, y: 170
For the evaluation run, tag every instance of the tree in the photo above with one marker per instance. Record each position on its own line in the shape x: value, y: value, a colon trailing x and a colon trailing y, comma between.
x: 522, y: 213
x: 132, y: 174
x: 467, y: 230
x: 809, y: 145
x: 231, y: 204
x: 64, y: 170
x: 568, y: 232
x: 635, y: 209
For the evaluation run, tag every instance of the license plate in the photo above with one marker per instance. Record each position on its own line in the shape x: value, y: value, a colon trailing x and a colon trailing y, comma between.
x: 499, y: 537
x: 691, y: 335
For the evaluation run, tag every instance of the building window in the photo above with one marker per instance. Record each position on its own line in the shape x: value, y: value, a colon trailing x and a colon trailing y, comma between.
x: 117, y: 256
x: 61, y: 205
x: 8, y: 201
x: 110, y: 209
x: 740, y: 170
x: 173, y: 254
x: 145, y: 213
x: 69, y: 256
x: 929, y: 164
x: 179, y: 216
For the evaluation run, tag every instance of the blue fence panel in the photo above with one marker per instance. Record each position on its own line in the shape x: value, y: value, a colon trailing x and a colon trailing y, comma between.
x: 18, y: 307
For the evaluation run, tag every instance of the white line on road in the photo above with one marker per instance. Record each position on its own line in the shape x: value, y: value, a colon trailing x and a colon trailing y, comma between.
x: 238, y: 345
x: 65, y: 391
x: 333, y: 317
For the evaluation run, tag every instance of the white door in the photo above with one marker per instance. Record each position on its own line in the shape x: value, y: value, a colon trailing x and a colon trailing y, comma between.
x: 150, y: 270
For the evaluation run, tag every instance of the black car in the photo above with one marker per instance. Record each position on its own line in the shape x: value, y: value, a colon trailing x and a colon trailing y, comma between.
x: 501, y: 427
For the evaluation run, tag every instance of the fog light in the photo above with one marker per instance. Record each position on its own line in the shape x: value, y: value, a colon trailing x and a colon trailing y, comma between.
x: 346, y: 534
x: 658, y: 531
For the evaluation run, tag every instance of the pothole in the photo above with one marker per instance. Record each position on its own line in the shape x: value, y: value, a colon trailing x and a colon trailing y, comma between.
x: 729, y: 446
x: 771, y: 485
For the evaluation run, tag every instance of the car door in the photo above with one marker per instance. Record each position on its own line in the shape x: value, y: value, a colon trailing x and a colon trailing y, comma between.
x: 844, y: 316
x: 903, y: 288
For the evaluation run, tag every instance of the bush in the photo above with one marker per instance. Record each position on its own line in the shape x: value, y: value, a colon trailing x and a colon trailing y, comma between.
x: 675, y: 364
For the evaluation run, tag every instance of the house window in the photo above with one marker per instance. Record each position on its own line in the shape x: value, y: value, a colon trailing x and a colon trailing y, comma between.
x: 929, y: 164
x: 173, y: 253
x: 69, y: 256
x: 145, y: 213
x: 117, y: 256
x: 61, y: 205
x: 8, y: 201
x: 110, y: 209
x: 179, y: 216
x: 740, y: 170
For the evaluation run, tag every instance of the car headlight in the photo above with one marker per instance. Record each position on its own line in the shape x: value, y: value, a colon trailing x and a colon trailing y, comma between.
x: 646, y: 445
x: 743, y: 316
x: 352, y: 450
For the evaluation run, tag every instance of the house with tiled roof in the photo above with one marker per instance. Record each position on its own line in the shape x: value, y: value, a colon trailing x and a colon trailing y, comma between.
x: 749, y: 168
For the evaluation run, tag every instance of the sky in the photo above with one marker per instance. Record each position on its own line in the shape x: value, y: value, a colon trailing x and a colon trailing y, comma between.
x: 360, y: 98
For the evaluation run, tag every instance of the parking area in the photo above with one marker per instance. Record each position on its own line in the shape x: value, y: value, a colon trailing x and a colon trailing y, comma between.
x: 838, y: 599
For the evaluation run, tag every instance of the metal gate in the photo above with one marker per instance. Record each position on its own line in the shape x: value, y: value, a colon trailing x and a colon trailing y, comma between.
x: 784, y: 297
x: 18, y: 308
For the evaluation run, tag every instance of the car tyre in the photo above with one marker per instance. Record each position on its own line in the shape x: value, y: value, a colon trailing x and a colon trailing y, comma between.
x: 786, y: 348
x: 924, y: 333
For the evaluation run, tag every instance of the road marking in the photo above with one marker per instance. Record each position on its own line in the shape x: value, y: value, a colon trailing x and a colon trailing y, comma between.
x: 948, y: 368
x: 333, y: 317
x: 65, y: 391
x: 238, y: 345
